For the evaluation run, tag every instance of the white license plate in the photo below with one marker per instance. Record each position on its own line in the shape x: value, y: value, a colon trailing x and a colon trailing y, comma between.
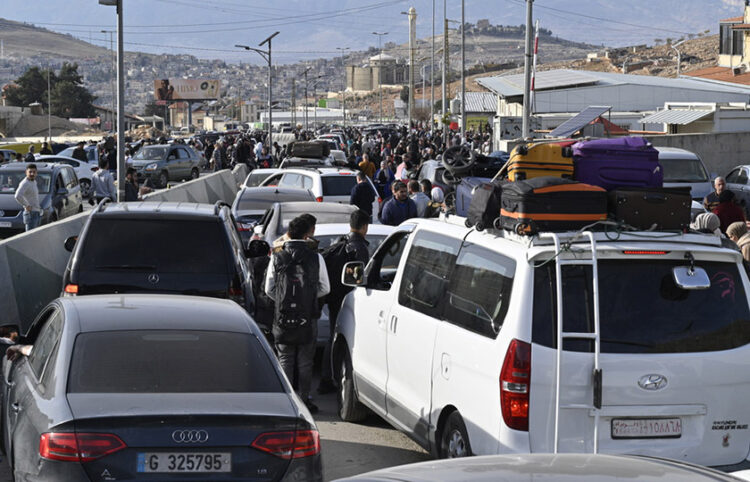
x: 5, y: 224
x: 646, y: 427
x: 184, y: 462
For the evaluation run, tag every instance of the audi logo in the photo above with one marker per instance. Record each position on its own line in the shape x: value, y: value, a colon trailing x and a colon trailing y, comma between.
x: 190, y: 436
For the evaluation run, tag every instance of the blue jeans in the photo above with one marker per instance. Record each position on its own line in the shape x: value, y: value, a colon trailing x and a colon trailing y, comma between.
x: 31, y: 219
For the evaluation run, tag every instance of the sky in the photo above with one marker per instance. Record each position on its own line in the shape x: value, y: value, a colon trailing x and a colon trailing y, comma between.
x: 316, y: 28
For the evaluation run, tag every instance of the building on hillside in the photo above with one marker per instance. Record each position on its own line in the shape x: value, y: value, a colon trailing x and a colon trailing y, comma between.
x: 250, y: 111
x: 701, y: 117
x: 381, y: 70
x: 561, y: 94
x: 108, y: 119
x: 480, y: 108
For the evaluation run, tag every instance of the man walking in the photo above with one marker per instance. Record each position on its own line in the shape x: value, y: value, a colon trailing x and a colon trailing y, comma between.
x: 27, y: 196
x: 352, y: 247
x: 362, y: 194
x: 711, y: 201
x: 30, y: 155
x: 80, y: 152
x: 421, y: 200
x: 102, y: 183
x: 399, y: 207
x: 295, y: 280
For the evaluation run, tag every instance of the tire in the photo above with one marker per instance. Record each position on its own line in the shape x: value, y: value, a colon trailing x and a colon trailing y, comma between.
x: 194, y: 173
x: 350, y: 408
x: 85, y: 187
x: 163, y: 179
x: 454, y: 441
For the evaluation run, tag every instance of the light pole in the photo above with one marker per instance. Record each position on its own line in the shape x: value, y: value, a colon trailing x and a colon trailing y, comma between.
x: 445, y: 64
x: 120, y: 101
x: 432, y: 72
x: 112, y: 78
x: 463, y: 74
x: 380, y: 71
x: 266, y: 55
x: 679, y: 57
x: 305, y: 74
x: 343, y: 93
x: 526, y: 128
x: 49, y: 107
x: 412, y: 14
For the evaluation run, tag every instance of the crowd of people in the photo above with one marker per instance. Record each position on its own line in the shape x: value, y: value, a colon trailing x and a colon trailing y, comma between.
x: 725, y: 218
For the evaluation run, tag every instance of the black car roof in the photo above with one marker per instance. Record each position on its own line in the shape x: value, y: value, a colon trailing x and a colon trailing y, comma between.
x: 156, y: 311
x: 161, y: 209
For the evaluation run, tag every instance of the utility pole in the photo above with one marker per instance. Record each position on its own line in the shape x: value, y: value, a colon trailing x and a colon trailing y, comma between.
x: 343, y: 93
x: 380, y: 70
x: 294, y: 103
x: 266, y: 55
x: 526, y: 128
x: 305, y: 74
x: 114, y: 67
x: 432, y: 72
x: 679, y: 56
x: 463, y: 74
x: 412, y: 41
x: 49, y: 107
x: 445, y: 66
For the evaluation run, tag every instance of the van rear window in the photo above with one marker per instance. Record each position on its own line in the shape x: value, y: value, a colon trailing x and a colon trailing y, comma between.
x: 642, y: 310
x: 166, y: 246
x: 338, y: 185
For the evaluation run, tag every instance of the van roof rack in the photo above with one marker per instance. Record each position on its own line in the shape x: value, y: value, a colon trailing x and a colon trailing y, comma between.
x: 218, y: 205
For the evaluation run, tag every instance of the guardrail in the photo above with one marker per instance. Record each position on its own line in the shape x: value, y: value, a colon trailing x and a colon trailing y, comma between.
x: 32, y: 264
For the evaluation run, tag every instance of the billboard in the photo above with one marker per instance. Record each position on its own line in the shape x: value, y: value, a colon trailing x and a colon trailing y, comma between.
x: 186, y: 89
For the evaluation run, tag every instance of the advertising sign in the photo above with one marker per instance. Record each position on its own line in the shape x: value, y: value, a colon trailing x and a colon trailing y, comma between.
x: 186, y: 89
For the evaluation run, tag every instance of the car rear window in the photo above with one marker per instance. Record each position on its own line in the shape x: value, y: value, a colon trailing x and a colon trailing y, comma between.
x: 251, y: 203
x: 255, y: 179
x: 641, y: 308
x: 683, y: 170
x: 326, y: 240
x: 170, y: 361
x: 320, y: 218
x: 167, y: 246
x: 338, y: 185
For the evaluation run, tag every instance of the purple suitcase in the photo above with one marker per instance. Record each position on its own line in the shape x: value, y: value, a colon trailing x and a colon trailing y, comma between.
x: 621, y: 162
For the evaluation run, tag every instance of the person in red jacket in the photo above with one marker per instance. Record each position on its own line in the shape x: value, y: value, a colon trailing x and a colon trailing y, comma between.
x: 728, y: 210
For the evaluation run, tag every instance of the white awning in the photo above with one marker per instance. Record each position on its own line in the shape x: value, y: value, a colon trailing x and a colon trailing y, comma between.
x: 676, y: 116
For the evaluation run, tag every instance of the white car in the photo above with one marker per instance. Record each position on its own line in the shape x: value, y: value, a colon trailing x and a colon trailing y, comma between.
x: 339, y: 158
x: 84, y: 170
x: 257, y: 176
x: 329, y: 184
x: 450, y: 336
x: 92, y: 153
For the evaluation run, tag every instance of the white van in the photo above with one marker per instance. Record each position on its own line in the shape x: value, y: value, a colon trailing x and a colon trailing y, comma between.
x: 683, y: 168
x: 451, y: 336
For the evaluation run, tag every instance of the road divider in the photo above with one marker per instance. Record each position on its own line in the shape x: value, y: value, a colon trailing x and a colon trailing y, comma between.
x: 32, y: 264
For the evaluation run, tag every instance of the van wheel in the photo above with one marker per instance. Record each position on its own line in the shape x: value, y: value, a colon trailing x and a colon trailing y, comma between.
x: 350, y: 408
x: 163, y: 179
x: 194, y: 173
x: 454, y: 441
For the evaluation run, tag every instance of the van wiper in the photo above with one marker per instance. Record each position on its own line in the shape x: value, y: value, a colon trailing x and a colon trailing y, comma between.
x: 127, y: 266
x: 630, y: 343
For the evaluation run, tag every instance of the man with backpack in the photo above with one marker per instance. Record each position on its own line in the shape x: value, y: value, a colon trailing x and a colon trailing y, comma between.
x: 352, y: 247
x: 295, y: 280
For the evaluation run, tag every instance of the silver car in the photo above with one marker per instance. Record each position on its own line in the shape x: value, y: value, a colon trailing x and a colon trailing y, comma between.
x: 251, y: 203
x: 276, y: 220
x: 685, y: 169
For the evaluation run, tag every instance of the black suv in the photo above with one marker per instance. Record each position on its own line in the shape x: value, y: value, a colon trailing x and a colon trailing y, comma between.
x: 157, y: 247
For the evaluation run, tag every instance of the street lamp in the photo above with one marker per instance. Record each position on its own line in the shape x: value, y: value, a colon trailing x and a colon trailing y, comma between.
x: 120, y: 100
x: 343, y: 93
x: 679, y: 57
x: 412, y: 14
x: 305, y: 74
x: 114, y: 67
x: 266, y: 55
x: 380, y: 71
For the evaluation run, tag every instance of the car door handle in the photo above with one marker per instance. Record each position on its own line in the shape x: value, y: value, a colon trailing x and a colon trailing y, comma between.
x: 394, y: 323
x: 15, y: 407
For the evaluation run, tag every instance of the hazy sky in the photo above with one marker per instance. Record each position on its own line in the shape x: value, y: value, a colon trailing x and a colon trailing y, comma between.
x: 314, y: 28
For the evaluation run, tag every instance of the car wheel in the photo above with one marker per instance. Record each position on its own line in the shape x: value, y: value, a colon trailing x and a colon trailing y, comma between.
x: 163, y: 179
x: 454, y: 441
x: 85, y: 187
x: 350, y: 408
x: 194, y: 173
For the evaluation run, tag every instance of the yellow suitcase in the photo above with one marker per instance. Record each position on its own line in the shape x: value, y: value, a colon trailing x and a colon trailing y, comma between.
x: 528, y: 161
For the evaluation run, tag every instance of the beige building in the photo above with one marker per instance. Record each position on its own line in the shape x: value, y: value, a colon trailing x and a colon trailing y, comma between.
x: 381, y: 70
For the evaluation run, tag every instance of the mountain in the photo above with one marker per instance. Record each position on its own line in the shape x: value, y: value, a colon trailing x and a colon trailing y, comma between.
x: 25, y: 40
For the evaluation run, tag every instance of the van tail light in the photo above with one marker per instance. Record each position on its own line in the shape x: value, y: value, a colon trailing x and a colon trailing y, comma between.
x: 78, y: 447
x: 71, y: 289
x: 289, y: 445
x: 380, y: 199
x: 319, y: 199
x: 515, y: 382
x: 244, y: 226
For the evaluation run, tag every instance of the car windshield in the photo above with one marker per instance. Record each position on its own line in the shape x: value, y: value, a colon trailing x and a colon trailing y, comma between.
x: 683, y: 170
x: 375, y: 240
x: 256, y: 178
x: 9, y: 181
x: 248, y: 203
x: 170, y: 361
x: 338, y: 185
x: 643, y: 310
x: 90, y: 153
x: 155, y: 153
x: 167, y: 246
x: 321, y: 217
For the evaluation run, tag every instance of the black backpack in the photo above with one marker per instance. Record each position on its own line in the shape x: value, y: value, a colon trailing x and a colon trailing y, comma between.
x: 295, y: 295
x: 336, y: 256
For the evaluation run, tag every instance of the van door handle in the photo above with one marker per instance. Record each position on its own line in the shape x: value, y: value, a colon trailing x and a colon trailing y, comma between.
x: 394, y: 323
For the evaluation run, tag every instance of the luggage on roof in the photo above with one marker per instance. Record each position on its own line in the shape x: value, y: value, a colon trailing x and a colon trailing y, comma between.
x: 663, y: 209
x: 613, y: 163
x: 528, y: 161
x: 311, y: 149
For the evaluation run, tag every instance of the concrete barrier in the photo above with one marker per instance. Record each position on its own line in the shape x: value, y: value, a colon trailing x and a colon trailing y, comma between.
x: 32, y: 264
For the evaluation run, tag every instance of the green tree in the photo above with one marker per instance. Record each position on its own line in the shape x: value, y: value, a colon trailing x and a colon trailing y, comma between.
x: 69, y: 97
x: 29, y: 88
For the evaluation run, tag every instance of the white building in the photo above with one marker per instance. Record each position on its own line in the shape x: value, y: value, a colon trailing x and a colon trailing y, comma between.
x: 701, y: 117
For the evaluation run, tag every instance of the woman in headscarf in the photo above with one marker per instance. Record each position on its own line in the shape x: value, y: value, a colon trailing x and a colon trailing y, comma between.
x: 436, y: 203
x: 707, y: 223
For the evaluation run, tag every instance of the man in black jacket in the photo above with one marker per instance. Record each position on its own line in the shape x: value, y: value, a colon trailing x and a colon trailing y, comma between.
x: 362, y: 194
x: 356, y: 250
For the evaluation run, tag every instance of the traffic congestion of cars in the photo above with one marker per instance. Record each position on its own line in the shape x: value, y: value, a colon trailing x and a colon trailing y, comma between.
x: 625, y: 348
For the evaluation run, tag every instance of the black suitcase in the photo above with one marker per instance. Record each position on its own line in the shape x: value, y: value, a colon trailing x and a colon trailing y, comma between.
x: 551, y: 204
x: 484, y: 208
x: 311, y: 149
x: 663, y: 209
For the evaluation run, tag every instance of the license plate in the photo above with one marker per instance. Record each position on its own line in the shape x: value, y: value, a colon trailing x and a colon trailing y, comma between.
x: 184, y: 462
x: 646, y: 428
x: 5, y: 224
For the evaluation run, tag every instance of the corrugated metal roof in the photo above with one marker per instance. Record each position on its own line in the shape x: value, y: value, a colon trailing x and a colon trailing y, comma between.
x: 676, y: 116
x: 733, y: 19
x: 480, y: 101
x: 507, y: 85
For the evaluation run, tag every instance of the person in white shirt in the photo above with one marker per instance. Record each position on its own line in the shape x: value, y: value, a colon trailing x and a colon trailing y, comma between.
x: 419, y: 198
x: 102, y: 183
x: 27, y: 196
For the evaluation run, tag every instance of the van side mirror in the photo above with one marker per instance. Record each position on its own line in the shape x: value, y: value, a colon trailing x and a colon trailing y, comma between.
x: 691, y: 278
x: 70, y: 243
x: 257, y: 248
x: 353, y: 274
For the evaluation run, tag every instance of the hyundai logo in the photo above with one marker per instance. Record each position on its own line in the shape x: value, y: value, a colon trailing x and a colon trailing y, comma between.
x: 652, y: 382
x: 190, y: 436
x: 153, y: 278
